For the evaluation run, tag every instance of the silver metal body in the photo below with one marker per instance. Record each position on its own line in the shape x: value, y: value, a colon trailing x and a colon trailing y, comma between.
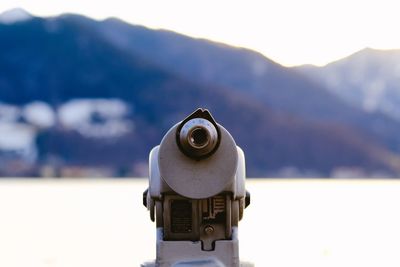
x: 196, y: 202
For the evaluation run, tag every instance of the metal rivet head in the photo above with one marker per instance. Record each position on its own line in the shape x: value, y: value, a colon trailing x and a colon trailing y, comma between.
x: 209, y: 229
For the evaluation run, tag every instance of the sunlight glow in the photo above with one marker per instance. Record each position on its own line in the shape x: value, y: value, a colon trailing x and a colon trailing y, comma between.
x: 289, y: 32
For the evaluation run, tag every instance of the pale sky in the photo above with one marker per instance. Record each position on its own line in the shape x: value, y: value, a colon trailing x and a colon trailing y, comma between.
x: 290, y: 32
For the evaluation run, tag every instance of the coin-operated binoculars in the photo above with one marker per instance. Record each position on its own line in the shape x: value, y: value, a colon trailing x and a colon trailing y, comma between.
x: 197, y: 194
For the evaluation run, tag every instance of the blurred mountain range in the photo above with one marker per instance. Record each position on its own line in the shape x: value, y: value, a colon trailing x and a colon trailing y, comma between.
x: 368, y: 79
x: 80, y: 97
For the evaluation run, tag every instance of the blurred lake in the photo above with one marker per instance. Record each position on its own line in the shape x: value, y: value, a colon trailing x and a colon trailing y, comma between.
x: 82, y: 223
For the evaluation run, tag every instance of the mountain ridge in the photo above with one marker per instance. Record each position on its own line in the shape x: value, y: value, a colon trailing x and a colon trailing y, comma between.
x: 367, y: 79
x: 62, y: 59
x: 250, y: 73
x: 14, y: 15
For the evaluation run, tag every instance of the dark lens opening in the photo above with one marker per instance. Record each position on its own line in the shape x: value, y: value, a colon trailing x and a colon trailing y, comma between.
x: 199, y: 137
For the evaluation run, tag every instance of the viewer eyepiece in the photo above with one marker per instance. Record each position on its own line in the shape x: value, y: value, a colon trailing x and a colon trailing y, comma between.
x: 198, y: 138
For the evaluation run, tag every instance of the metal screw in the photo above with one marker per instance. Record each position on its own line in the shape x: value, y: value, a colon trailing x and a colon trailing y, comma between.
x: 208, y: 229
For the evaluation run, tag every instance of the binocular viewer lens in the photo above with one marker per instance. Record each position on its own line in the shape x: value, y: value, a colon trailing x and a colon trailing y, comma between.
x: 198, y: 138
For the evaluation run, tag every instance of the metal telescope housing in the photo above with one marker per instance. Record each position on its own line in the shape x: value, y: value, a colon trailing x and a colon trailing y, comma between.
x: 196, y: 194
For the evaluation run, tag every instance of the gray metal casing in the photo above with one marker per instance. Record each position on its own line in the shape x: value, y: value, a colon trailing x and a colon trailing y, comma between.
x: 157, y: 186
x: 224, y: 171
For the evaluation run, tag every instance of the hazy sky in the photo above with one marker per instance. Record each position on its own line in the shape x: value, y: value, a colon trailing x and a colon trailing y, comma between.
x: 290, y: 32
